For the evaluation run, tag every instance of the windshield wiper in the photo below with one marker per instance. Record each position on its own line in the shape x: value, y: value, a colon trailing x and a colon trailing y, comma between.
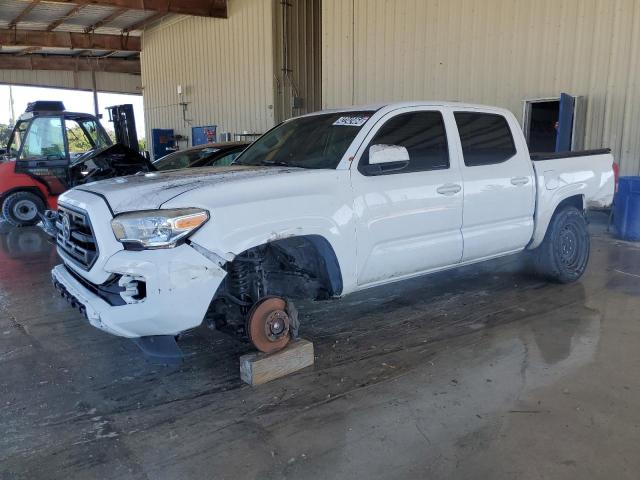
x: 264, y: 163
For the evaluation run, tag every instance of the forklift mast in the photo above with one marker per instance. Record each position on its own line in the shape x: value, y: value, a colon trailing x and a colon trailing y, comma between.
x: 124, y: 125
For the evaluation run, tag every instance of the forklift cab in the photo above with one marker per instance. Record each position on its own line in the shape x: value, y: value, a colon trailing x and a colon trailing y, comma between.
x: 51, y: 150
x: 46, y: 139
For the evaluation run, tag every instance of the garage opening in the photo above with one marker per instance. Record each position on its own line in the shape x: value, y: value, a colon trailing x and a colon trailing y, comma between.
x: 555, y: 124
x: 543, y: 126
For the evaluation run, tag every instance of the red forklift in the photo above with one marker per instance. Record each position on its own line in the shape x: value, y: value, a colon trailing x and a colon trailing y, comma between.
x: 51, y: 150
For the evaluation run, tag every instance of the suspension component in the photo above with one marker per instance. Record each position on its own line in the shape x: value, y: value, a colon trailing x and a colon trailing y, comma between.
x: 239, y: 280
x: 245, y: 278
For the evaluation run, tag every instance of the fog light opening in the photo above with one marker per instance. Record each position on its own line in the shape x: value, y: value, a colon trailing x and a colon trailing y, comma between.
x: 134, y: 289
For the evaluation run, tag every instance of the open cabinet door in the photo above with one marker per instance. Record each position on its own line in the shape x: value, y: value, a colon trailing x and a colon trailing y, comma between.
x: 565, y: 123
x: 579, y: 123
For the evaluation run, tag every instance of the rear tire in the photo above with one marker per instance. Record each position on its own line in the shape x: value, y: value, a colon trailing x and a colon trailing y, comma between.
x: 563, y: 255
x: 22, y: 208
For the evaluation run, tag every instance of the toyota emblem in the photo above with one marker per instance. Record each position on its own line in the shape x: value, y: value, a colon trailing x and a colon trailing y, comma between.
x: 66, y: 228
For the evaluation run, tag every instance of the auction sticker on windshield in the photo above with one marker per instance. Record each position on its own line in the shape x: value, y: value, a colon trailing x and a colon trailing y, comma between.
x: 351, y: 121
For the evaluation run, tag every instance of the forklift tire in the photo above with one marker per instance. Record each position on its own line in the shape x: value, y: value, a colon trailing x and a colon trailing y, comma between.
x: 22, y: 208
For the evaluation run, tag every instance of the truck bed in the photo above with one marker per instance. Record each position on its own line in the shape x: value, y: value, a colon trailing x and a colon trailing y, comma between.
x: 585, y: 173
x: 580, y: 153
x: 588, y: 174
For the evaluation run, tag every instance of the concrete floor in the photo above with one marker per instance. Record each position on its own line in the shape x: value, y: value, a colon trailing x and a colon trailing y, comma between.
x: 480, y: 373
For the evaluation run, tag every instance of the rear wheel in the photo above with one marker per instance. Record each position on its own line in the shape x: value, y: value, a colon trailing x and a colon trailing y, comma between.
x: 22, y: 208
x: 564, y: 252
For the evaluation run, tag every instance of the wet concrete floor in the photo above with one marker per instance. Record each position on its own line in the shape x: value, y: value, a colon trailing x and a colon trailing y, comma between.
x: 484, y: 373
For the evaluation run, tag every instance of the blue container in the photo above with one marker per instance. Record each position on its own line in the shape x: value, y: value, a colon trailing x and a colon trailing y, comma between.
x: 162, y: 142
x: 626, y: 209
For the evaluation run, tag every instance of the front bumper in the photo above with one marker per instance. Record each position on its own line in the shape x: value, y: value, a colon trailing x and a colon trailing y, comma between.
x: 180, y: 284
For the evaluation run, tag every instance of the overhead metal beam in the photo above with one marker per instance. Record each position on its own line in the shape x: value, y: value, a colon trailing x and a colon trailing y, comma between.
x: 106, y: 20
x: 23, y: 13
x: 71, y: 13
x: 200, y: 8
x: 69, y: 63
x: 36, y: 38
x: 28, y: 50
x: 143, y: 23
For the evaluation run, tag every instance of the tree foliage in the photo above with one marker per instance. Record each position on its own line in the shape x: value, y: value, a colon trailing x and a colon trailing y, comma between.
x: 5, y: 132
x: 78, y: 141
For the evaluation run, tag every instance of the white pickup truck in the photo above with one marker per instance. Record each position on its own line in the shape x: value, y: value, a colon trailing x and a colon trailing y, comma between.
x: 321, y: 206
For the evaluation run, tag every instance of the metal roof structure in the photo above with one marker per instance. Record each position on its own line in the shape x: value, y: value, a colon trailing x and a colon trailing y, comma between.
x: 85, y: 35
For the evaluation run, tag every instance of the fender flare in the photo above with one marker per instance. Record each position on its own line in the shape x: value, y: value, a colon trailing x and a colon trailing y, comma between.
x: 542, y: 223
x: 324, y: 249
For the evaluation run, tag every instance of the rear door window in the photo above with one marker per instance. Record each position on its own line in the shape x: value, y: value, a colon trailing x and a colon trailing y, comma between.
x: 96, y: 134
x: 79, y: 141
x: 485, y: 137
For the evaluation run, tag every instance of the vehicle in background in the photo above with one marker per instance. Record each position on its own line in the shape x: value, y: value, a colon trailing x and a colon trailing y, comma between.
x: 207, y: 155
x: 51, y: 150
x: 321, y: 206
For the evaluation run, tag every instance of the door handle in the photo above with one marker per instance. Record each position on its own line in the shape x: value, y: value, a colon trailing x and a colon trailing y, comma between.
x: 519, y: 180
x: 449, y: 189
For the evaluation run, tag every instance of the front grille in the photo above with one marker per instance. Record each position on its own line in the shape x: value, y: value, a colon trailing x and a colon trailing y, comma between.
x: 75, y: 236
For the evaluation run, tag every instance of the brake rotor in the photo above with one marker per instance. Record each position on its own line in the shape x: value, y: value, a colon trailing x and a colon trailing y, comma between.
x: 268, y: 324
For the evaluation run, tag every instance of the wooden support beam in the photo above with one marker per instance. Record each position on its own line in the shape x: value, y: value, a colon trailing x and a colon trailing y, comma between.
x: 36, y: 38
x: 71, y: 13
x: 199, y: 8
x: 23, y: 13
x: 258, y: 368
x: 69, y: 63
x: 106, y: 20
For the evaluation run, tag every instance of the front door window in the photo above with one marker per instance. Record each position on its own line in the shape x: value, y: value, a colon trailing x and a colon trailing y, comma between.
x: 44, y: 140
x: 43, y: 155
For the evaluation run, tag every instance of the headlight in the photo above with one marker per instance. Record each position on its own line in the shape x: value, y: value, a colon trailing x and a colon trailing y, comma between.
x: 158, y: 228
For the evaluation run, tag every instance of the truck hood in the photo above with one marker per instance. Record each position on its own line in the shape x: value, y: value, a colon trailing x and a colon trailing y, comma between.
x: 148, y: 191
x: 113, y: 161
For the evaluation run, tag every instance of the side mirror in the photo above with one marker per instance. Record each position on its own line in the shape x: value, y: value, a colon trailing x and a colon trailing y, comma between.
x: 379, y: 154
x: 385, y: 159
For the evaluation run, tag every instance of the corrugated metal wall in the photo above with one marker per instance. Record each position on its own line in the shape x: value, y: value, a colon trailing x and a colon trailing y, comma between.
x: 105, y: 81
x: 225, y: 67
x: 297, y: 36
x: 497, y: 52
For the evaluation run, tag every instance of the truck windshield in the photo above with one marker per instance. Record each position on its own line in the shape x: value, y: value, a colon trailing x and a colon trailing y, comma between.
x: 317, y: 141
